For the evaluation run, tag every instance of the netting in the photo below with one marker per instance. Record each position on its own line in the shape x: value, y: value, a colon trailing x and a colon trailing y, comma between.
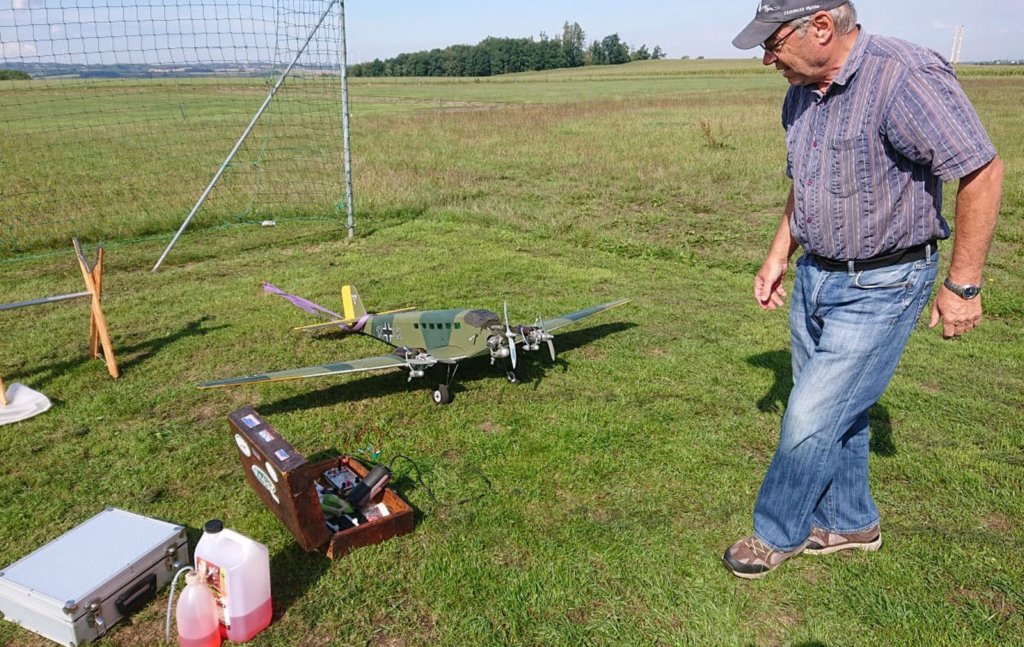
x: 132, y: 106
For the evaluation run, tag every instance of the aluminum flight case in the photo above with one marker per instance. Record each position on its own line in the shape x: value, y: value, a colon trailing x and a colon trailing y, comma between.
x: 74, y: 588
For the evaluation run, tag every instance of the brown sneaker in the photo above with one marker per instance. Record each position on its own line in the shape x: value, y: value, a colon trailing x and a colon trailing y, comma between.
x: 823, y: 542
x: 750, y: 558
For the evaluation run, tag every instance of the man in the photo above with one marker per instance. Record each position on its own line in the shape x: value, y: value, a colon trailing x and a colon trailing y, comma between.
x: 873, y: 127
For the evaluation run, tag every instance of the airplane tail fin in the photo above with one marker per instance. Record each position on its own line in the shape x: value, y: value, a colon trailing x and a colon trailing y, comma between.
x: 351, y: 302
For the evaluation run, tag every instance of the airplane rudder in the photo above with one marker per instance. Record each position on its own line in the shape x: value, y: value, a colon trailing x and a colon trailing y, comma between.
x: 351, y: 302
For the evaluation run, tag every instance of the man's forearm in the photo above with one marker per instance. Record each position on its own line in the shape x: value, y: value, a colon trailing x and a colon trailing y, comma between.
x: 977, y: 209
x: 783, y: 245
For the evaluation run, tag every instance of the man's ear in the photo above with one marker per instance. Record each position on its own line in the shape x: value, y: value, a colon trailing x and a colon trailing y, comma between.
x: 822, y: 28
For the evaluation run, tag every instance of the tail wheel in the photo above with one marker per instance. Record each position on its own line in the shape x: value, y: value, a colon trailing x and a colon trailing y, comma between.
x: 441, y: 394
x: 513, y: 376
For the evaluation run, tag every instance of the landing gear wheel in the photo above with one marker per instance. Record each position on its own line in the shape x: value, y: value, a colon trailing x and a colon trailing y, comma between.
x: 513, y: 376
x: 441, y: 394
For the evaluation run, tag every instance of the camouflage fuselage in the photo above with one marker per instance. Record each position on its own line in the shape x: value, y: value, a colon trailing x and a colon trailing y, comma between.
x: 431, y: 330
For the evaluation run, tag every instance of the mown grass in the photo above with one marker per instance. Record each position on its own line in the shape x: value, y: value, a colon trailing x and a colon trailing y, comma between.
x: 591, y: 504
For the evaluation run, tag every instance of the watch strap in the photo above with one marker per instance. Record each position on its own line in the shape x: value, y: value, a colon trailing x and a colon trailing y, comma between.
x: 968, y: 291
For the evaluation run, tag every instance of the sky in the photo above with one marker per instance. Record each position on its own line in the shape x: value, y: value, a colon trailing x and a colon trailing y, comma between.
x: 191, y: 31
x: 994, y: 29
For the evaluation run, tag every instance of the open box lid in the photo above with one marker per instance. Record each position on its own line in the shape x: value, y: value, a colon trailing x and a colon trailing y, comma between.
x: 281, y: 477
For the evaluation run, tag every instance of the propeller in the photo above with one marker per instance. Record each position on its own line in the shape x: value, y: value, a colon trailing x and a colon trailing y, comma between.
x: 539, y: 334
x: 511, y: 339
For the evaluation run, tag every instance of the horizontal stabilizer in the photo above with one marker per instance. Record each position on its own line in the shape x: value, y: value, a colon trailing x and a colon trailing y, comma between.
x: 348, y: 325
x: 299, y: 302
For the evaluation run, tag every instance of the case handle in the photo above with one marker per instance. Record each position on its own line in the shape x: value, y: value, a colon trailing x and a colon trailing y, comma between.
x: 136, y: 597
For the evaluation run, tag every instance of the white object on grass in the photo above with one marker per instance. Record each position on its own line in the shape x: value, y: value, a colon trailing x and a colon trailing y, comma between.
x: 22, y: 403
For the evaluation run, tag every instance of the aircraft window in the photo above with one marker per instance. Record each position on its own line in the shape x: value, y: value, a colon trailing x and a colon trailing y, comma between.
x: 431, y: 326
x: 448, y: 326
x: 416, y: 326
x: 458, y: 326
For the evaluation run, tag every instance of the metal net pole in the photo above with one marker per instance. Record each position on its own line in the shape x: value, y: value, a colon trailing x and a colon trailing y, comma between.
x: 345, y: 124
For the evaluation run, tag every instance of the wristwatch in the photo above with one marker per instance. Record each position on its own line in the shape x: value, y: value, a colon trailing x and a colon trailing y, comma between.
x: 968, y: 291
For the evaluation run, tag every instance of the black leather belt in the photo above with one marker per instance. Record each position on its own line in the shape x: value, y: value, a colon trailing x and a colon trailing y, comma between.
x: 908, y: 255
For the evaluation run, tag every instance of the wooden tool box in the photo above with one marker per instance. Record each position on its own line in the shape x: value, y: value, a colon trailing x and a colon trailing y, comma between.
x: 286, y: 483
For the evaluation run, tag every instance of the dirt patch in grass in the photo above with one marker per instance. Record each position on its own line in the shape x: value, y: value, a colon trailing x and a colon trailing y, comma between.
x: 774, y: 634
x: 491, y: 428
x: 997, y: 602
x: 208, y: 412
x: 997, y: 523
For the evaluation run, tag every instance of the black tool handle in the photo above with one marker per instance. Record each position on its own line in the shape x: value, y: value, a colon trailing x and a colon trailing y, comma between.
x: 372, y: 483
x: 136, y: 597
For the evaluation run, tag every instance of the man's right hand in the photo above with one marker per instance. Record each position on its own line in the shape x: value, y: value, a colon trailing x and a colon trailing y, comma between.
x: 768, y: 288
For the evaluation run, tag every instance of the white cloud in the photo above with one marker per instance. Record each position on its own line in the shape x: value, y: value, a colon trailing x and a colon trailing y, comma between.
x: 18, y: 50
x: 56, y: 30
x: 19, y: 4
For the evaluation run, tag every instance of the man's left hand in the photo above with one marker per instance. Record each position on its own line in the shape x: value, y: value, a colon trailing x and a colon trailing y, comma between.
x: 958, y: 315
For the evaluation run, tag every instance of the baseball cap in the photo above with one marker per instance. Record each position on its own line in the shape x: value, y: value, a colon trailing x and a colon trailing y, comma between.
x: 772, y: 13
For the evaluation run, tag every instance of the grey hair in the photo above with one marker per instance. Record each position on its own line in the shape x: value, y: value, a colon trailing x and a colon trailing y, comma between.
x: 844, y: 17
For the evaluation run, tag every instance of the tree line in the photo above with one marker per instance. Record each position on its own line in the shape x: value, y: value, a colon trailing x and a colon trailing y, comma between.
x: 494, y: 56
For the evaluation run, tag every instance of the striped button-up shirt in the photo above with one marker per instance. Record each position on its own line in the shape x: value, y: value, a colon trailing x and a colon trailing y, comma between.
x: 869, y: 155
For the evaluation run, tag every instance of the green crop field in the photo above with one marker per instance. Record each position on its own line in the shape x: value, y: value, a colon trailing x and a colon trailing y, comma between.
x: 589, y: 505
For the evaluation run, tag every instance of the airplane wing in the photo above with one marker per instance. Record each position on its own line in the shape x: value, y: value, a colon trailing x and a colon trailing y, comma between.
x: 452, y: 354
x: 565, y: 320
x: 355, y: 366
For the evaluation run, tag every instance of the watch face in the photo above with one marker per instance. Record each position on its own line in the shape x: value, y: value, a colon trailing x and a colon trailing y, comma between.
x: 968, y: 291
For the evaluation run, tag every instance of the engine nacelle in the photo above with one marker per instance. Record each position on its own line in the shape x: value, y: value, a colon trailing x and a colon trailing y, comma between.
x: 500, y: 353
x: 498, y: 346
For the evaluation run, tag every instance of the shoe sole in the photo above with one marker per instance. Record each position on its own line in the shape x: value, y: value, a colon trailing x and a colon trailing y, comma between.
x: 757, y: 576
x: 749, y: 576
x: 746, y: 576
x: 870, y: 547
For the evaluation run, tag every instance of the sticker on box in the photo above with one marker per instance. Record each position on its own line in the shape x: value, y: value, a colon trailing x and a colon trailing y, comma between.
x: 252, y: 421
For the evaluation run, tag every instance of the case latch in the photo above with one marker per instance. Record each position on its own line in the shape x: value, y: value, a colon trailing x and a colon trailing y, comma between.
x: 171, y: 556
x: 94, y: 616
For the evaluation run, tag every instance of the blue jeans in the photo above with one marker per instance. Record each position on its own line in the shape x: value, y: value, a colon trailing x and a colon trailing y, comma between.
x: 848, y: 332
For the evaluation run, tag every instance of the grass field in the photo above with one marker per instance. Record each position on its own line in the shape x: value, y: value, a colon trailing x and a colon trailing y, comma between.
x: 591, y: 504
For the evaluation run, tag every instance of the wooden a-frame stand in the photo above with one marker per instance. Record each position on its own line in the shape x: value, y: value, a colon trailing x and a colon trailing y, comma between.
x: 98, y: 333
x: 99, y: 336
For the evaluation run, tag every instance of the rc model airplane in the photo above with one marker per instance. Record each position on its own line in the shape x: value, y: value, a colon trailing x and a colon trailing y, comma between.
x: 422, y: 339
